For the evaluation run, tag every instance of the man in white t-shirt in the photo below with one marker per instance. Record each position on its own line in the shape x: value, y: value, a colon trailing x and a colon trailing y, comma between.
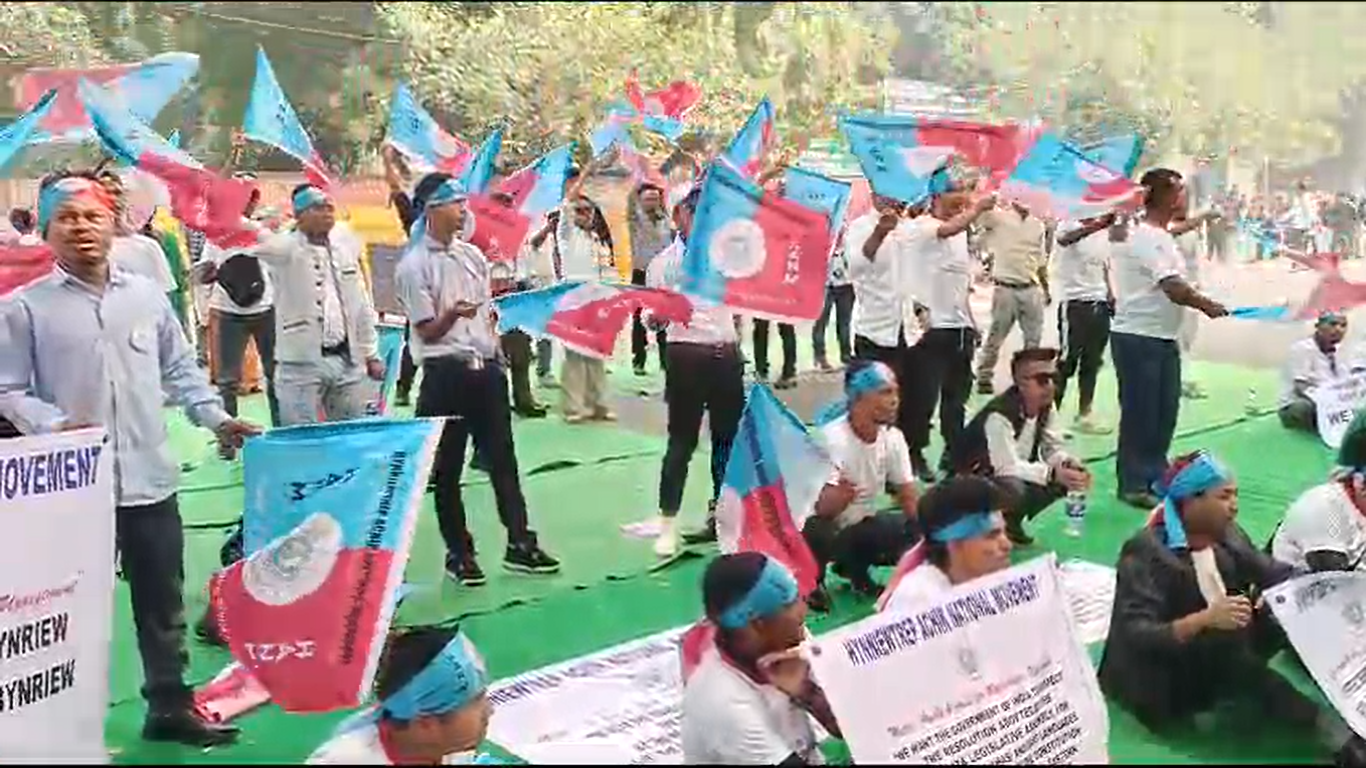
x: 1325, y: 529
x: 1152, y: 295
x: 1312, y: 362
x: 748, y: 696
x: 1088, y: 301
x: 965, y: 539
x: 870, y: 458
x: 1186, y: 231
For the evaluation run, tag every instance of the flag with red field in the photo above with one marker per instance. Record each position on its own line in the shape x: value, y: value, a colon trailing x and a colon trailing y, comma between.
x: 587, y: 317
x: 750, y: 146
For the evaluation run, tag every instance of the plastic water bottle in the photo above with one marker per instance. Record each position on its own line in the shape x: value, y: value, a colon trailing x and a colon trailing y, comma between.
x: 1251, y: 408
x: 1076, y: 513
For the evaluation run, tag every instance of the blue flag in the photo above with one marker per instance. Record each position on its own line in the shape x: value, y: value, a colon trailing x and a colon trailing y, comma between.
x: 479, y: 172
x: 14, y: 136
x: 271, y: 119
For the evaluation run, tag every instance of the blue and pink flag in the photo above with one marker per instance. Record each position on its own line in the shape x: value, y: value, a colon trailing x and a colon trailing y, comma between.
x: 1056, y: 179
x: 479, y: 172
x: 328, y: 527
x: 14, y: 136
x: 538, y: 188
x: 500, y: 228
x: 661, y: 112
x: 413, y: 132
x: 271, y: 119
x: 774, y: 475
x: 391, y: 355
x: 819, y: 193
x: 755, y: 252
x: 750, y: 146
x: 22, y: 264
x: 892, y: 157
x: 587, y: 317
x: 1118, y: 153
x: 144, y: 89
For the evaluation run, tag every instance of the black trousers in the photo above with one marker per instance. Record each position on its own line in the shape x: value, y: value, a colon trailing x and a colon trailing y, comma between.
x: 407, y: 369
x: 234, y: 331
x: 879, y: 540
x: 475, y: 402
x: 1084, y: 327
x: 788, y: 334
x: 640, y: 335
x: 1300, y: 414
x: 1025, y: 500
x: 917, y: 392
x: 151, y: 543
x: 517, y: 349
x: 840, y: 298
x: 946, y: 357
x: 700, y: 379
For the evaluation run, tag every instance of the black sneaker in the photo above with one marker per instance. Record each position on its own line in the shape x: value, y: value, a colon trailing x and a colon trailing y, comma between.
x: 921, y: 468
x: 479, y: 464
x: 533, y: 411
x: 529, y: 558
x: 707, y: 533
x: 403, y: 400
x: 985, y: 387
x: 818, y: 600
x: 1015, y: 532
x: 185, y: 726
x: 786, y: 382
x: 640, y: 370
x: 465, y: 570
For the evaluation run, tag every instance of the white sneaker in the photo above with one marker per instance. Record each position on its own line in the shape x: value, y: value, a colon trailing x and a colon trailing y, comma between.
x: 666, y: 544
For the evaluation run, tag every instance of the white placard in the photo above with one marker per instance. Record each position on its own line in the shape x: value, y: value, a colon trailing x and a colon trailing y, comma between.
x: 992, y: 673
x: 1090, y: 590
x: 56, y: 578
x: 1324, y: 616
x: 1335, y: 403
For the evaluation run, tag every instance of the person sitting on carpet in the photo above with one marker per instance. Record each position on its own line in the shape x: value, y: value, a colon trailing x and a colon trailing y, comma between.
x: 433, y: 706
x: 1189, y: 632
x: 1325, y: 529
x: 870, y: 457
x: 965, y: 539
x: 1311, y: 362
x: 1011, y: 441
x: 750, y: 699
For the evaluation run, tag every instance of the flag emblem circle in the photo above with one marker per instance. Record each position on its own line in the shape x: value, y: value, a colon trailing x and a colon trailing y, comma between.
x: 737, y: 249
x: 296, y: 565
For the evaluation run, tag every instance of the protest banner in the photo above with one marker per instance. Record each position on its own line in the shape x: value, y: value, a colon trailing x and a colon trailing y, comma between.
x: 999, y: 677
x: 328, y: 526
x: 1090, y: 590
x: 56, y: 582
x: 1324, y: 616
x: 1336, y: 402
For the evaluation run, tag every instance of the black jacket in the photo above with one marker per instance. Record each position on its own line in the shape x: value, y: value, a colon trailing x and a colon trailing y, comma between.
x: 1144, y: 668
x: 970, y: 456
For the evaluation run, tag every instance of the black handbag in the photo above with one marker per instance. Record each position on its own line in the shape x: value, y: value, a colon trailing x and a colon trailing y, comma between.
x: 242, y: 279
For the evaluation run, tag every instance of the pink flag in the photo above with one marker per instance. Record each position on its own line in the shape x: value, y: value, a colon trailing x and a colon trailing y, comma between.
x: 22, y: 264
x: 498, y: 229
x: 204, y: 201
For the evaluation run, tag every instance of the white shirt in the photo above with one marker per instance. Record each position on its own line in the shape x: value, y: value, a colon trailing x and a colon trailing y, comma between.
x: 334, y: 323
x: 142, y: 255
x: 1309, y: 366
x: 1322, y: 519
x: 218, y: 298
x: 432, y: 278
x: 1080, y: 269
x: 922, y: 585
x: 881, y: 286
x: 1150, y: 257
x: 710, y: 323
x: 869, y: 466
x: 947, y: 267
x: 582, y: 257
x: 728, y: 719
x: 1189, y: 246
x: 1207, y: 576
x: 1009, y: 454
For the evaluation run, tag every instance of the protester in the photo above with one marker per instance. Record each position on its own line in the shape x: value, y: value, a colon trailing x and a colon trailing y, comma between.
x: 131, y: 249
x: 74, y: 344
x: 751, y: 698
x: 506, y: 278
x: 547, y: 245
x: 1152, y: 296
x: 1312, y: 362
x: 965, y: 539
x: 1185, y: 230
x: 326, y: 345
x: 704, y: 375
x: 651, y: 232
x: 1325, y: 528
x: 1019, y: 272
x: 839, y: 296
x: 1011, y: 440
x: 25, y: 225
x: 787, y: 334
x: 585, y: 254
x: 432, y: 689
x: 443, y: 285
x: 1189, y: 630
x: 1088, y: 301
x: 871, y: 458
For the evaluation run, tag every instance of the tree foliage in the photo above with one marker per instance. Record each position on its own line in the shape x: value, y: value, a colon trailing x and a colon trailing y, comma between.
x: 46, y: 35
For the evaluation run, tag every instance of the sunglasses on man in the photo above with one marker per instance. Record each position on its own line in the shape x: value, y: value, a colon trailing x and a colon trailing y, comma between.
x: 1044, y: 378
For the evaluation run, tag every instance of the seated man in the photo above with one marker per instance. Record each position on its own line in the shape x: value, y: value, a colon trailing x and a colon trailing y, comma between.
x: 1012, y: 442
x: 432, y: 708
x: 1311, y: 362
x: 870, y: 456
x: 750, y: 698
x: 965, y: 539
x: 1325, y: 529
x: 1189, y: 632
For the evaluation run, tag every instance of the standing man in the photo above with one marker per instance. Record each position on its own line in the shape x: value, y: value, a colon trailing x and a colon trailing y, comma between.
x: 1019, y: 270
x: 705, y: 375
x: 93, y: 344
x: 787, y: 334
x: 1186, y: 231
x: 585, y: 254
x: 443, y: 285
x: 1152, y: 293
x: 325, y: 340
x: 1088, y: 301
x: 839, y: 296
x: 651, y: 233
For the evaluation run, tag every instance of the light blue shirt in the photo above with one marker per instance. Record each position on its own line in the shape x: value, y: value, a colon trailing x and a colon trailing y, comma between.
x: 69, y: 353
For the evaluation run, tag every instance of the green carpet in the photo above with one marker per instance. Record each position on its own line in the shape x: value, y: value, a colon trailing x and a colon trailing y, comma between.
x: 609, y: 591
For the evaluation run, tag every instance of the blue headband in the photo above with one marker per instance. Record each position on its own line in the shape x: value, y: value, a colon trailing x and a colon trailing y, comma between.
x: 54, y: 195
x: 1202, y: 474
x: 775, y: 590
x: 450, y: 191
x: 865, y: 381
x: 973, y: 525
x: 450, y: 681
x: 307, y: 198
x: 1331, y: 317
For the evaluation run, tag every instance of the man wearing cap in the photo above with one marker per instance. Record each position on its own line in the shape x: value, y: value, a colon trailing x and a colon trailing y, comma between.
x: 432, y: 688
x: 651, y: 232
x: 444, y: 286
x: 94, y: 345
x: 1325, y: 528
x: 748, y: 694
x: 1312, y: 362
x: 965, y: 539
x: 870, y: 458
x: 326, y: 345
